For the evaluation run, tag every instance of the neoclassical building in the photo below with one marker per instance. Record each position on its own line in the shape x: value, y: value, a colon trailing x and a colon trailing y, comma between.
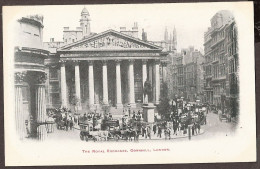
x: 86, y: 68
x: 105, y: 68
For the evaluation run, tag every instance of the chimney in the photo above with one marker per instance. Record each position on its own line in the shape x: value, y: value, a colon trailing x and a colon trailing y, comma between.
x: 122, y: 29
x: 79, y: 28
x: 191, y: 48
x: 144, y: 36
x: 52, y: 40
x: 66, y: 28
x: 135, y: 28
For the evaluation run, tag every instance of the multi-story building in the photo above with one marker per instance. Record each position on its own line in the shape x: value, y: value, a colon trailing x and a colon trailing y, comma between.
x: 207, y: 67
x: 172, y: 75
x: 188, y: 74
x: 221, y: 61
x: 232, y: 89
x: 180, y: 76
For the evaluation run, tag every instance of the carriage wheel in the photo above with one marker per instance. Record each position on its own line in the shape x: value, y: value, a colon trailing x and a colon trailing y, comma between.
x: 81, y: 136
x: 117, y: 137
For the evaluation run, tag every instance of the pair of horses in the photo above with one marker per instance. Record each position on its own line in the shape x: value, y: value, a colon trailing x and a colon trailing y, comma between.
x: 64, y: 124
x: 130, y: 135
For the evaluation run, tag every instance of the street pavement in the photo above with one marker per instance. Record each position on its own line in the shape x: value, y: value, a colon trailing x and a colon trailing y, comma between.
x: 213, y: 127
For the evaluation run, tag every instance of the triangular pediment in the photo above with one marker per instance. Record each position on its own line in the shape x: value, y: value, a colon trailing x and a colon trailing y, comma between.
x: 109, y: 40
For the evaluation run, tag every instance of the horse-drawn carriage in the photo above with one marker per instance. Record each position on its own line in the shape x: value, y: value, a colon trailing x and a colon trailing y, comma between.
x: 85, y: 129
x: 113, y: 128
x: 87, y: 132
x: 64, y: 122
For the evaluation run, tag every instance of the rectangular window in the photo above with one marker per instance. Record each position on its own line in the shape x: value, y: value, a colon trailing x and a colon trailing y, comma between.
x: 53, y: 73
x: 27, y: 32
x: 54, y: 98
x: 54, y: 87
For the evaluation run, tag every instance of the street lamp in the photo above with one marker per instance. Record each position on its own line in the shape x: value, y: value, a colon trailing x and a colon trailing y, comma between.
x: 129, y: 109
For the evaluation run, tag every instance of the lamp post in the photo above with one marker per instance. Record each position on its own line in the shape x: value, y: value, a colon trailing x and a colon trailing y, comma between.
x: 129, y: 109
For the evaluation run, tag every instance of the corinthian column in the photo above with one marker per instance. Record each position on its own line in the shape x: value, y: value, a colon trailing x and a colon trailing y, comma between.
x: 19, y: 114
x: 118, y: 85
x: 77, y: 85
x: 131, y: 84
x: 164, y: 71
x: 105, y: 86
x: 157, y: 81
x: 91, y: 83
x: 64, y: 102
x: 144, y: 63
x: 40, y: 79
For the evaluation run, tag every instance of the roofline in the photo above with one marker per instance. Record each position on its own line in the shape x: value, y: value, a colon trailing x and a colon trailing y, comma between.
x: 113, y: 31
x: 113, y: 50
x: 31, y: 21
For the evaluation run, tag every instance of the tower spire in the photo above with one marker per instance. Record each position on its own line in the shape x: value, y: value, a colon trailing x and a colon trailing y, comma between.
x: 174, y: 39
x: 170, y: 42
x: 166, y: 34
x: 85, y: 22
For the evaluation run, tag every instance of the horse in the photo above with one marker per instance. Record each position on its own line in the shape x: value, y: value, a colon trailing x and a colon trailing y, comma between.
x: 61, y: 124
x: 70, y: 124
x: 103, y: 135
x: 167, y: 133
x: 132, y: 133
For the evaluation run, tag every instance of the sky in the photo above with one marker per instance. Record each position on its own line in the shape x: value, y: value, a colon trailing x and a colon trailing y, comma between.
x: 190, y: 20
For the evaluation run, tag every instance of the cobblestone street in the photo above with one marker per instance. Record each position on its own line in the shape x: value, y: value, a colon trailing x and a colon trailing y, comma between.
x: 213, y: 127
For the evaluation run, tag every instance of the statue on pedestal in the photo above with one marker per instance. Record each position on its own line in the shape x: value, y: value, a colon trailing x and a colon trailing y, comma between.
x: 148, y: 108
x: 147, y: 91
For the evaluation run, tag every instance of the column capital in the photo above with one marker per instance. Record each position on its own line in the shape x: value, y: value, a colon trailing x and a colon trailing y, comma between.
x: 41, y: 77
x: 20, y: 77
x: 157, y: 61
x: 75, y: 62
x: 104, y: 62
x: 164, y: 62
x: 90, y: 62
x: 118, y: 61
x: 144, y: 61
x: 131, y: 60
x: 62, y: 62
x: 37, y: 78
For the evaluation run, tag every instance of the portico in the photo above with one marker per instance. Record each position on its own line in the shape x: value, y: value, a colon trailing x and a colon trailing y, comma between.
x: 108, y: 68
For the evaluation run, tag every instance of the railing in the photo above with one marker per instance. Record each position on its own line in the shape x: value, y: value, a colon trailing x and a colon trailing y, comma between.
x: 218, y: 41
x: 222, y: 77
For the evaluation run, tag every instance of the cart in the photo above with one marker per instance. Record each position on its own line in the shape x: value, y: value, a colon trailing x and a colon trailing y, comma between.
x: 85, y: 129
x: 113, y: 128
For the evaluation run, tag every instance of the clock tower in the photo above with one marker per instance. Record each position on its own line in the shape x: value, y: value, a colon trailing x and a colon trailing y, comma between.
x: 85, y: 22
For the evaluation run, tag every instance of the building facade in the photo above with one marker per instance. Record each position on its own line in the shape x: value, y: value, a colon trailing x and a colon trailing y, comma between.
x: 232, y: 91
x: 187, y: 72
x: 105, y: 68
x: 221, y: 62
